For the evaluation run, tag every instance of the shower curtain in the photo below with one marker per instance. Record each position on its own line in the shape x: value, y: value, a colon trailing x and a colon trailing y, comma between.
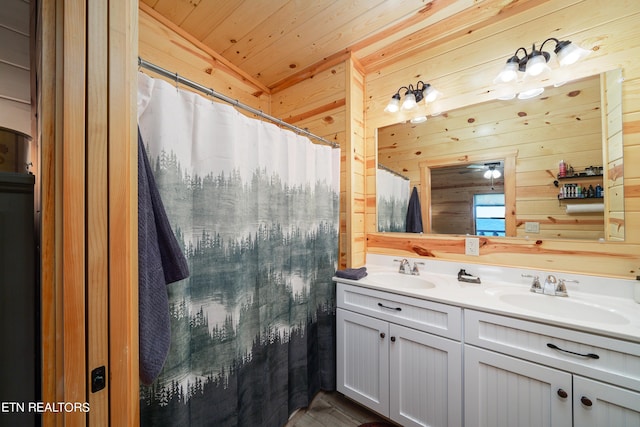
x: 393, y: 200
x: 255, y: 209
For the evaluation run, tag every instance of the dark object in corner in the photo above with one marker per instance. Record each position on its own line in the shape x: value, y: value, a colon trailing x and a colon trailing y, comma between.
x: 352, y: 273
x: 160, y: 262
x: 414, y: 214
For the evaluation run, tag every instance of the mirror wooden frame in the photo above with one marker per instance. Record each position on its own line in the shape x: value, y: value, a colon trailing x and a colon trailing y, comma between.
x: 509, y: 158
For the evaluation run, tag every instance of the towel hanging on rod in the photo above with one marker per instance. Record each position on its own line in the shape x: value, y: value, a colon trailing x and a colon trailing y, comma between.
x: 208, y: 91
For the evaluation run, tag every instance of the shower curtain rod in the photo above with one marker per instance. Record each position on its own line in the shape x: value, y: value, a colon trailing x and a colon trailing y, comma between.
x: 393, y: 172
x: 208, y: 91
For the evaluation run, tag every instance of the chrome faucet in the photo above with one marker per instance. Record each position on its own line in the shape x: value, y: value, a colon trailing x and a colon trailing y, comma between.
x: 552, y: 285
x: 405, y: 267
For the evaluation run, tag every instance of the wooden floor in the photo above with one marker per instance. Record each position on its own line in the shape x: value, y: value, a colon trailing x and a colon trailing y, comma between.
x: 332, y: 409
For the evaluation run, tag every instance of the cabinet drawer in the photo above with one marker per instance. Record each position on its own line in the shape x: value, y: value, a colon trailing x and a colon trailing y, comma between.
x: 607, y: 359
x: 439, y: 319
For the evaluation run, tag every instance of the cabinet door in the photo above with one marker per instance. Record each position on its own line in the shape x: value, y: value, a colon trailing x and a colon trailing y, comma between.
x: 363, y: 359
x: 425, y: 379
x: 597, y: 404
x: 501, y: 391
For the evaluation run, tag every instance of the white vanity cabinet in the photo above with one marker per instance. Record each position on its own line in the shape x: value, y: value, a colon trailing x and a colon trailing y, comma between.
x: 502, y: 391
x: 597, y: 404
x: 525, y: 373
x: 400, y: 356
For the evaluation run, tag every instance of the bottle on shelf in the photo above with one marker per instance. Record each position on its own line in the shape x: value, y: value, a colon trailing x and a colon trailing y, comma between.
x: 562, y: 169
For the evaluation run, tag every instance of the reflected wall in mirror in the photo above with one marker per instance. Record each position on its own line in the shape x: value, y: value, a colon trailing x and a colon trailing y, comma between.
x: 578, y: 123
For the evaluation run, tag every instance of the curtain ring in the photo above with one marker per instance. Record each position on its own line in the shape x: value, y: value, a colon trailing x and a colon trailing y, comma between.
x: 176, y: 78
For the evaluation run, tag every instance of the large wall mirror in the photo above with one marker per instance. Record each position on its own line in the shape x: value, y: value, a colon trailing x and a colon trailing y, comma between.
x: 545, y: 167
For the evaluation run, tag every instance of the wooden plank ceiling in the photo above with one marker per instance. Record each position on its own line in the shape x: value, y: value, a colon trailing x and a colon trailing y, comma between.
x: 275, y: 40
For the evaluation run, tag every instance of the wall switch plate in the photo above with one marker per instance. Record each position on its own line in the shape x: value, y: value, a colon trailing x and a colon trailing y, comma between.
x: 472, y: 246
x: 532, y: 227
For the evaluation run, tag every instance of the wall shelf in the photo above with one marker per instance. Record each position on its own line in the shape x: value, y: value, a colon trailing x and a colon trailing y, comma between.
x: 562, y: 178
x: 580, y: 198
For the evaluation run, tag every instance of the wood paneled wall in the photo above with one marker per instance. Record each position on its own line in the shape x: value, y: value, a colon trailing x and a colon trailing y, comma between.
x: 463, y: 68
x: 164, y: 44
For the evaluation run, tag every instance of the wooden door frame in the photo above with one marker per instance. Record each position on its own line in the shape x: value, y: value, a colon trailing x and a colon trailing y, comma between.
x: 86, y: 170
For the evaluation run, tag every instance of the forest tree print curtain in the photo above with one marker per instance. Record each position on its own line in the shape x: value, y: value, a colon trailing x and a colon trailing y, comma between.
x: 393, y: 200
x: 256, y: 210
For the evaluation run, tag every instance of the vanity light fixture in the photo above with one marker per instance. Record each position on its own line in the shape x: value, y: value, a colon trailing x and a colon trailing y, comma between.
x: 534, y: 63
x: 412, y: 96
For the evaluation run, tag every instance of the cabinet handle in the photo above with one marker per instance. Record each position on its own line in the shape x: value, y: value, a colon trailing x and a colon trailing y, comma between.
x: 563, y: 394
x: 389, y: 308
x: 393, y: 339
x: 382, y: 335
x: 591, y: 355
x: 586, y: 401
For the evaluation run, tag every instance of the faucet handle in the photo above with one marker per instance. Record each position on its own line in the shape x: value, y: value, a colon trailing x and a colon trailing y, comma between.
x: 405, y: 268
x: 415, y: 271
x: 535, y: 285
x: 561, y: 289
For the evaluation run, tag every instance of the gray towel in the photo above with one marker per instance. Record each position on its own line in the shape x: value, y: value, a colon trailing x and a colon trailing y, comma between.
x: 414, y: 214
x: 352, y: 273
x: 161, y: 262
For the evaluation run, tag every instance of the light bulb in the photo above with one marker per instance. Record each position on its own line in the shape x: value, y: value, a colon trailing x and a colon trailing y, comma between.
x: 568, y: 53
x: 409, y: 102
x: 508, y: 74
x: 394, y: 105
x: 430, y: 94
x: 536, y: 65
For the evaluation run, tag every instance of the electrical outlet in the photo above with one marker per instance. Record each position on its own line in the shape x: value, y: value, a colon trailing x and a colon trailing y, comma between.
x: 472, y: 246
x: 532, y: 227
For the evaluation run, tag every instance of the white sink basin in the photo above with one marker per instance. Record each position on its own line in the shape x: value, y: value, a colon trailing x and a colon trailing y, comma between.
x: 564, y: 307
x: 400, y: 281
